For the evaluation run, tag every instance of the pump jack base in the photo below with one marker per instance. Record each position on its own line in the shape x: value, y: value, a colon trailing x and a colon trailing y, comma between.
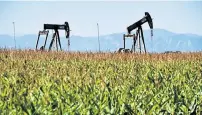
x: 122, y: 50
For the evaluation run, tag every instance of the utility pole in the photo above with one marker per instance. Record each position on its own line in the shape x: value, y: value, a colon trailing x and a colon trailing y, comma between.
x: 14, y: 33
x: 98, y: 36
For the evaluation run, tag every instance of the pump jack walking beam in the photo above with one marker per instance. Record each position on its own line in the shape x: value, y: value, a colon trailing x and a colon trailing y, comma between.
x: 146, y: 18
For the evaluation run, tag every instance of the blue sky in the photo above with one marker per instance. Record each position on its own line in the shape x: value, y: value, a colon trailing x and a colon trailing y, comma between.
x: 113, y: 17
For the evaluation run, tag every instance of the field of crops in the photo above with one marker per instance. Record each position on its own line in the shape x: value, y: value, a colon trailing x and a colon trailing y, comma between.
x: 100, y: 83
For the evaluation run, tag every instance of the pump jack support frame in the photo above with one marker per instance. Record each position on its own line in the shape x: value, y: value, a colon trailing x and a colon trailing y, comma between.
x: 42, y: 33
x: 56, y: 39
x: 138, y: 37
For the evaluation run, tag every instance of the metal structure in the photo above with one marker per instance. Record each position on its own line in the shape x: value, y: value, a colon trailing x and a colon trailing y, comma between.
x: 98, y: 35
x: 14, y: 33
x: 56, y: 36
x: 139, y: 34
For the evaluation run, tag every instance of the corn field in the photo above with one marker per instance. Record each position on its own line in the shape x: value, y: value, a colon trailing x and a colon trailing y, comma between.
x: 62, y: 83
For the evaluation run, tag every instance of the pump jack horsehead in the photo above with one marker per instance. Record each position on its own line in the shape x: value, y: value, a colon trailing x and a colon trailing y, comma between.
x: 55, y: 37
x: 139, y: 33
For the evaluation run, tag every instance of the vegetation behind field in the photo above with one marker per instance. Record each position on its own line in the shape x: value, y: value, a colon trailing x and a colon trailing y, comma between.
x: 100, y: 83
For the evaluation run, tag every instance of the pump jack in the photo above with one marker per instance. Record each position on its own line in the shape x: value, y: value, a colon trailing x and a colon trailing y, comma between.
x: 56, y: 36
x: 139, y: 33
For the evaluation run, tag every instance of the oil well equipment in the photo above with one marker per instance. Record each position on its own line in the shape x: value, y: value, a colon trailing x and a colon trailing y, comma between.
x: 55, y: 37
x: 138, y: 37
